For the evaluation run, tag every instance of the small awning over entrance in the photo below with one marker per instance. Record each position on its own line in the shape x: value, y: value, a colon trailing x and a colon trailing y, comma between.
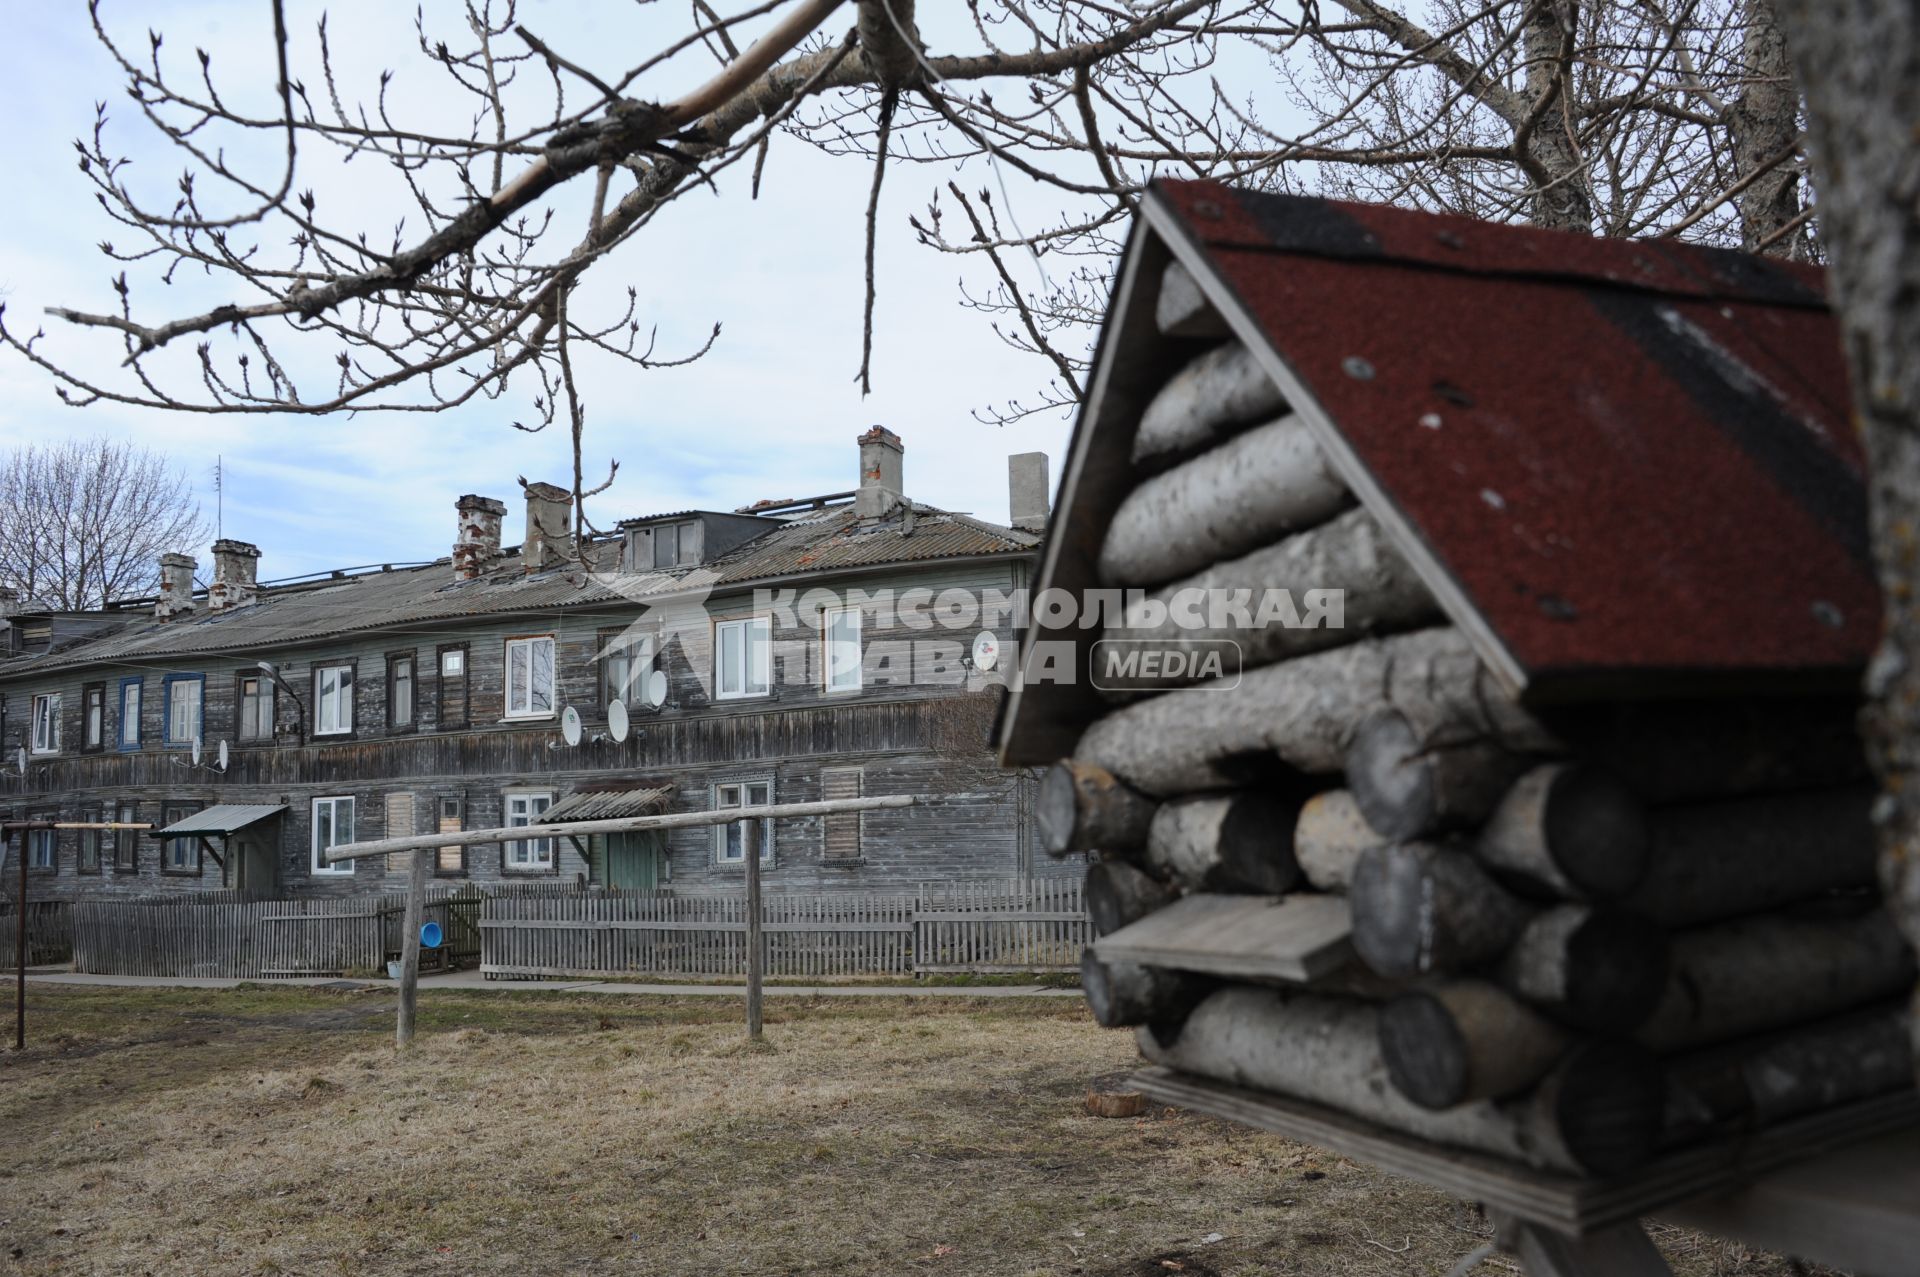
x: 221, y: 819
x: 608, y: 804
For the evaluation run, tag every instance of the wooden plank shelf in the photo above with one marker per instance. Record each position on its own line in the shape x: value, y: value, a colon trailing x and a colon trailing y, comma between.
x: 1297, y: 938
x: 1564, y: 1203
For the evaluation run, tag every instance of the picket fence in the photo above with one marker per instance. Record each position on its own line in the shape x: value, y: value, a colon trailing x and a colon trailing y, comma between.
x: 1012, y: 926
x: 49, y: 931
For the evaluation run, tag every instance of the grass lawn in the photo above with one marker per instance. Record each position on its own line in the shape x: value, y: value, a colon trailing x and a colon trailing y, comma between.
x: 276, y: 1131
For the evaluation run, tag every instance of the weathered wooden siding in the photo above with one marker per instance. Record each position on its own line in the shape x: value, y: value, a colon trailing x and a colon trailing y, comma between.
x: 902, y: 737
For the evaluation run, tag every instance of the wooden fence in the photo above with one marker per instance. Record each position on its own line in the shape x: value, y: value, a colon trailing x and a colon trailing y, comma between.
x: 49, y: 931
x: 1011, y: 926
x: 218, y: 937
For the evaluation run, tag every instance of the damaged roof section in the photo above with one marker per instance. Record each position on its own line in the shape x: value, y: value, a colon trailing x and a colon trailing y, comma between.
x: 1616, y: 463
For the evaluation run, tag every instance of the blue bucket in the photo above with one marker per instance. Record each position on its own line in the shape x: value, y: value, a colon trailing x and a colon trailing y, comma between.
x: 430, y: 936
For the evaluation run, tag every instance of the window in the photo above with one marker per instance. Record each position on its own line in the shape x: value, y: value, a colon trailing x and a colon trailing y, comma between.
x: 46, y: 724
x: 182, y: 725
x: 453, y: 819
x: 625, y: 659
x: 840, y: 832
x: 255, y: 694
x: 675, y: 544
x: 179, y: 855
x: 332, y: 700
x: 43, y: 846
x: 530, y: 677
x: 399, y: 825
x: 400, y: 690
x: 741, y: 658
x: 125, y: 843
x: 529, y: 853
x: 91, y: 840
x: 130, y: 713
x: 93, y: 716
x: 332, y: 826
x: 840, y: 635
x: 451, y: 704
x: 726, y: 838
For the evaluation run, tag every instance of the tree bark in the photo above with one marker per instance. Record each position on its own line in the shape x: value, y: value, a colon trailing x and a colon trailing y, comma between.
x: 1350, y: 553
x: 1597, y: 1113
x: 1239, y: 842
x: 1216, y: 396
x: 1774, y: 970
x: 1764, y: 122
x: 1720, y: 860
x: 1596, y: 969
x: 1251, y: 490
x: 1569, y: 831
x: 1303, y: 713
x: 1860, y: 72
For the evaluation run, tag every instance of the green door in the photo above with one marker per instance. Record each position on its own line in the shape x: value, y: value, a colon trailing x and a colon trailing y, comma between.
x: 633, y: 860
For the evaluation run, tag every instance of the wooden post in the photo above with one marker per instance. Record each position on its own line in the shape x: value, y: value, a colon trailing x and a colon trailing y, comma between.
x: 750, y: 848
x: 410, y: 947
x: 20, y: 948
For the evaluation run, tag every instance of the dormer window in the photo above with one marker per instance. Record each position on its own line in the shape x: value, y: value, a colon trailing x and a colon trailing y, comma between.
x: 676, y: 544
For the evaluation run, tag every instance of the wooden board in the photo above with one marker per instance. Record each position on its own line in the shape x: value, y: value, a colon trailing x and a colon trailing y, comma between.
x: 1564, y: 1203
x: 1297, y: 938
x: 1856, y: 1208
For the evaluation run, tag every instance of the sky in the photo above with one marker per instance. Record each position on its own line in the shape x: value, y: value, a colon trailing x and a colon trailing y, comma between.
x: 773, y: 411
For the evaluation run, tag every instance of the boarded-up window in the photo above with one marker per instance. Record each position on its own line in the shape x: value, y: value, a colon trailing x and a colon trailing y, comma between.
x: 399, y: 825
x: 842, y: 837
x: 453, y: 819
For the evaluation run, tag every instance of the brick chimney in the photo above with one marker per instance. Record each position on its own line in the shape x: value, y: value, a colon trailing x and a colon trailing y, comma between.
x: 881, y: 485
x: 235, y: 569
x: 1027, y: 491
x: 549, y: 542
x: 476, y: 542
x: 176, y: 587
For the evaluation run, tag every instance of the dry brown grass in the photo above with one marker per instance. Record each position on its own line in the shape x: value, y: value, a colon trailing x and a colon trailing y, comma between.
x: 277, y: 1132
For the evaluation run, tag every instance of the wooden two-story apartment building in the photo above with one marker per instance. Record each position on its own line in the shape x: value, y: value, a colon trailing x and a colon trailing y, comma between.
x: 781, y: 653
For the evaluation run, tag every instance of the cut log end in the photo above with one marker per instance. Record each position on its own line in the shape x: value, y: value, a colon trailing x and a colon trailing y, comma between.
x: 1115, y: 1103
x: 1410, y: 782
x: 1597, y: 832
x: 1081, y: 807
x: 1465, y: 1040
x: 1122, y: 995
x: 1117, y: 894
x: 1425, y: 1051
x: 1608, y: 1102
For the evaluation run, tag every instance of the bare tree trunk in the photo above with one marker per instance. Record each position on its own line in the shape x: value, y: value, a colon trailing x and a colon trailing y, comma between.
x: 1764, y: 121
x: 1543, y: 142
x: 1860, y: 71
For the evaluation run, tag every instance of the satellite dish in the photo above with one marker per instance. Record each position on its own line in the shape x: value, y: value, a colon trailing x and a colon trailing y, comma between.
x: 986, y: 650
x: 196, y: 751
x: 570, y: 725
x: 617, y: 720
x: 656, y: 688
x: 221, y: 755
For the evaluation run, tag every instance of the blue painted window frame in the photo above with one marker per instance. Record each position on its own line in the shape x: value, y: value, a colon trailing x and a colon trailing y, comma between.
x: 166, y: 710
x: 120, y: 715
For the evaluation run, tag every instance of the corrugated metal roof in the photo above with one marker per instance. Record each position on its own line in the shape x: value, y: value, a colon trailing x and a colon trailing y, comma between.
x: 608, y: 804
x: 1633, y: 461
x: 832, y: 540
x: 221, y: 818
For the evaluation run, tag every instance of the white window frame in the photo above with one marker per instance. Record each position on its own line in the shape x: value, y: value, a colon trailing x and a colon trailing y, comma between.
x: 839, y: 671
x: 250, y: 724
x: 526, y: 855
x: 742, y: 674
x: 530, y: 644
x: 129, y: 724
x: 340, y: 699
x: 333, y: 801
x: 46, y: 723
x: 725, y: 849
x: 192, y: 721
